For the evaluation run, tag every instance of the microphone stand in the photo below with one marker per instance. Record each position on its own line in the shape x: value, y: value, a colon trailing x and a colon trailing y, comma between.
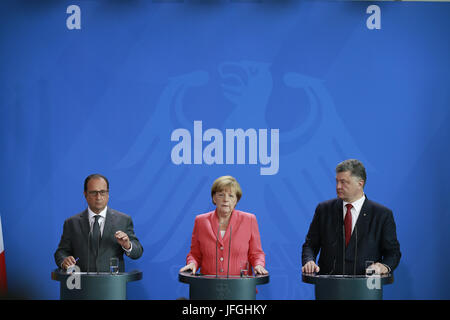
x: 229, y: 248
x: 335, y: 253
x: 343, y: 249
x: 88, y: 249
x: 98, y: 247
x: 334, y: 266
x: 356, y: 250
x: 217, y: 242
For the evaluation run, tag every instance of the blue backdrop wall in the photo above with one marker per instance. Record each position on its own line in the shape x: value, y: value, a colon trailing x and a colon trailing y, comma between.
x: 104, y: 89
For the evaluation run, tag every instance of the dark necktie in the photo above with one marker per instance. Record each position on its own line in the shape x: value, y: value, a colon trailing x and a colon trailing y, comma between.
x: 95, y: 235
x: 348, y: 224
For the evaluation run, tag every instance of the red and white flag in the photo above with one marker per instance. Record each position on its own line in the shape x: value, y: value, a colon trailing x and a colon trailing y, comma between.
x: 3, y: 284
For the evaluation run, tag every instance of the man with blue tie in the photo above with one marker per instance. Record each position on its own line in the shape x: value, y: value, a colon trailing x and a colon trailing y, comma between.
x: 97, y: 234
x: 351, y: 230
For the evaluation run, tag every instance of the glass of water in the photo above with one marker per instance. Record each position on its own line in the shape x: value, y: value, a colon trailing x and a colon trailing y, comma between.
x: 244, y: 268
x: 114, y: 265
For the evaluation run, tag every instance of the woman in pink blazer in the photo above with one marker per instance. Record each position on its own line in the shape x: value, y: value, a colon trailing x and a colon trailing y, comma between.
x: 225, y: 238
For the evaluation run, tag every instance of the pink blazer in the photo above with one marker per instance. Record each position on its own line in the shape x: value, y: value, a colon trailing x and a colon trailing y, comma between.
x: 245, y: 243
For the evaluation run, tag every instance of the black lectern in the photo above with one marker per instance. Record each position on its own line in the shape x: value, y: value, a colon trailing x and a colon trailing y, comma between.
x: 94, y: 286
x: 346, y: 287
x: 210, y: 287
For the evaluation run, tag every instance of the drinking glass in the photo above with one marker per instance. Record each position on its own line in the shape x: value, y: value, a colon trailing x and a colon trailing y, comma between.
x: 244, y: 268
x: 114, y: 265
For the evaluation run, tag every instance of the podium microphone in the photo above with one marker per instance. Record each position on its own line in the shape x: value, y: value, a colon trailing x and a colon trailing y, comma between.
x: 229, y: 248
x: 334, y: 266
x: 88, y: 249
x: 98, y: 248
x: 217, y: 242
x: 356, y: 250
x: 343, y: 249
x: 335, y: 252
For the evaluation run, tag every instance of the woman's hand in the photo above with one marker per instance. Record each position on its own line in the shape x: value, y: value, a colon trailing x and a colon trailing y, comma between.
x: 190, y: 266
x: 260, y: 270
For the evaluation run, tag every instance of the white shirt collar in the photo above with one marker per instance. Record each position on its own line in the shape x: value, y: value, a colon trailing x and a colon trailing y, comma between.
x: 92, y: 214
x: 356, y: 204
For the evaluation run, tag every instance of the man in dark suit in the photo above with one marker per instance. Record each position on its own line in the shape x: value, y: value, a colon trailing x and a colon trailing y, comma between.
x: 351, y: 230
x: 97, y: 234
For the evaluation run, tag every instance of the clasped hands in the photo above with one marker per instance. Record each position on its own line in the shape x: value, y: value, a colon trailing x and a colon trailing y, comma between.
x: 191, y: 266
x: 311, y: 267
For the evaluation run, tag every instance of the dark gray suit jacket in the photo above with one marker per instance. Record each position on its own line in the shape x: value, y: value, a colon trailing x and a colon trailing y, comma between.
x: 374, y: 238
x: 74, y: 241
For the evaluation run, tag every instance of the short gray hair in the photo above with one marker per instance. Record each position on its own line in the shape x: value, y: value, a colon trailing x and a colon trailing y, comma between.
x: 355, y: 167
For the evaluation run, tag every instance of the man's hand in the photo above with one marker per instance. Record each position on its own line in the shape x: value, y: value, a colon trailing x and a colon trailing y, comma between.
x: 310, y: 267
x: 67, y: 262
x: 122, y: 239
x: 190, y: 266
x: 379, y: 268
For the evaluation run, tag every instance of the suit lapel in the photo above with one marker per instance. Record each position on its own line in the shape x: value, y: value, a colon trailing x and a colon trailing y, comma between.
x: 363, y: 220
x: 84, y: 223
x: 339, y: 223
x: 214, y: 220
x: 231, y: 226
x: 361, y: 228
x: 108, y: 228
x: 338, y: 216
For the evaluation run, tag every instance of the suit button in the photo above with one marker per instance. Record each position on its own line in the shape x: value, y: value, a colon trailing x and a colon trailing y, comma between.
x: 221, y: 258
x: 221, y: 248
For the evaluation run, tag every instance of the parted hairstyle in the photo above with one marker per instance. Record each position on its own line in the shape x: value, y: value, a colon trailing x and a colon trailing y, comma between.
x: 355, y: 167
x: 225, y: 182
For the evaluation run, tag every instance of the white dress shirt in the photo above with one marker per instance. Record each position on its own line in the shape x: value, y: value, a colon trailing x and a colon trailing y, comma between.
x: 356, y: 209
x: 101, y: 220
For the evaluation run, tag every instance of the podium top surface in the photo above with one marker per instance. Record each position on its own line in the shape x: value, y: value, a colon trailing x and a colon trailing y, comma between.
x: 188, y: 277
x: 60, y: 275
x: 314, y: 278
